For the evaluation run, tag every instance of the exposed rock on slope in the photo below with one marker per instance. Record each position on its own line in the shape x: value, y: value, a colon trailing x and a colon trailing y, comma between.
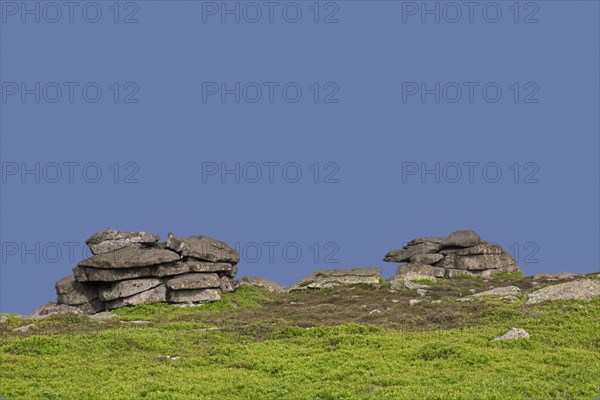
x: 335, y: 277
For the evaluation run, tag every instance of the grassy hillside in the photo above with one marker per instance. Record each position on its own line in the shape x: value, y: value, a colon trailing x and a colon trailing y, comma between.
x: 326, y: 344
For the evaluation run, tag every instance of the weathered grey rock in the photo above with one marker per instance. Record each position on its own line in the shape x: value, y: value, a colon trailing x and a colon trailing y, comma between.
x: 421, y: 292
x: 25, y: 328
x: 127, y: 288
x: 413, y: 286
x: 262, y: 283
x: 501, y: 291
x: 428, y: 259
x: 581, y: 289
x: 486, y: 248
x: 418, y: 271
x: 203, y: 248
x: 335, y: 277
x: 514, y: 333
x: 130, y: 257
x: 52, y: 308
x: 194, y: 281
x: 101, y: 316
x: 73, y: 293
x: 86, y: 274
x: 193, y: 295
x: 466, y: 238
x: 435, y: 240
x: 501, y: 262
x: 3, y: 319
x: 111, y: 239
x: 151, y: 296
x: 405, y: 253
x: 412, y: 302
x: 227, y: 284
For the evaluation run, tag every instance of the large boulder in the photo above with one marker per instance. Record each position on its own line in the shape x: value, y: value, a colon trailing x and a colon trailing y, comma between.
x: 262, y: 283
x: 413, y: 271
x: 74, y: 293
x: 129, y: 257
x: 111, y: 239
x: 581, y: 289
x: 335, y: 277
x: 203, y: 248
x: 127, y: 288
x: 194, y: 281
x: 53, y: 308
x: 85, y: 274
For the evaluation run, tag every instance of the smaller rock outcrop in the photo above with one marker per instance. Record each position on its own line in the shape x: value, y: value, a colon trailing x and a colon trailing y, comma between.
x: 335, y: 277
x: 501, y: 291
x: 460, y: 253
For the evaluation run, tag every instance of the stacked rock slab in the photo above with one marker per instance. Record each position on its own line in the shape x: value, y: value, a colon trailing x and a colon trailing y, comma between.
x: 130, y: 268
x: 461, y: 252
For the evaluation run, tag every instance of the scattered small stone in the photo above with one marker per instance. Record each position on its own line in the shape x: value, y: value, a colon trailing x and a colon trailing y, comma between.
x: 209, y: 329
x: 509, y: 299
x: 501, y: 291
x: 436, y: 301
x: 375, y: 311
x: 172, y: 358
x: 464, y: 299
x: 354, y: 296
x: 185, y: 305
x: 421, y: 292
x: 295, y: 303
x: 471, y: 290
x: 395, y: 301
x: 412, y: 302
x: 3, y: 319
x: 535, y: 283
x: 514, y: 333
x: 25, y: 328
x: 392, y: 291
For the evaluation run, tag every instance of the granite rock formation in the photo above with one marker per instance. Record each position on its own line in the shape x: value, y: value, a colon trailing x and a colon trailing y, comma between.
x: 460, y: 253
x: 130, y: 268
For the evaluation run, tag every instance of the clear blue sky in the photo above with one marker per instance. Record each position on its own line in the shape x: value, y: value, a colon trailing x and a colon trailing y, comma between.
x: 169, y: 124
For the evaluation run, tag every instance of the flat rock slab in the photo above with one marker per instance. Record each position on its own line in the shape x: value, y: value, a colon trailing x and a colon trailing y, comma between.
x: 428, y: 259
x: 501, y: 262
x: 262, y: 283
x: 53, y: 308
x: 203, y: 248
x: 405, y: 253
x: 130, y: 257
x: 486, y: 248
x: 111, y: 239
x: 73, y: 293
x: 193, y: 295
x: 154, y: 295
x: 335, y: 277
x: 581, y: 289
x: 194, y: 281
x: 501, y: 291
x: 127, y: 288
x: 86, y: 274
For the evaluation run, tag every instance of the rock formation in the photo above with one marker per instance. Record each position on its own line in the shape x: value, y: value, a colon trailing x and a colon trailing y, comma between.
x: 130, y: 268
x: 461, y: 252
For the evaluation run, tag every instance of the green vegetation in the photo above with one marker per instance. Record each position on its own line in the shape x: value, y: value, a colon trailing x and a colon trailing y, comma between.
x: 508, y: 275
x: 312, y: 345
